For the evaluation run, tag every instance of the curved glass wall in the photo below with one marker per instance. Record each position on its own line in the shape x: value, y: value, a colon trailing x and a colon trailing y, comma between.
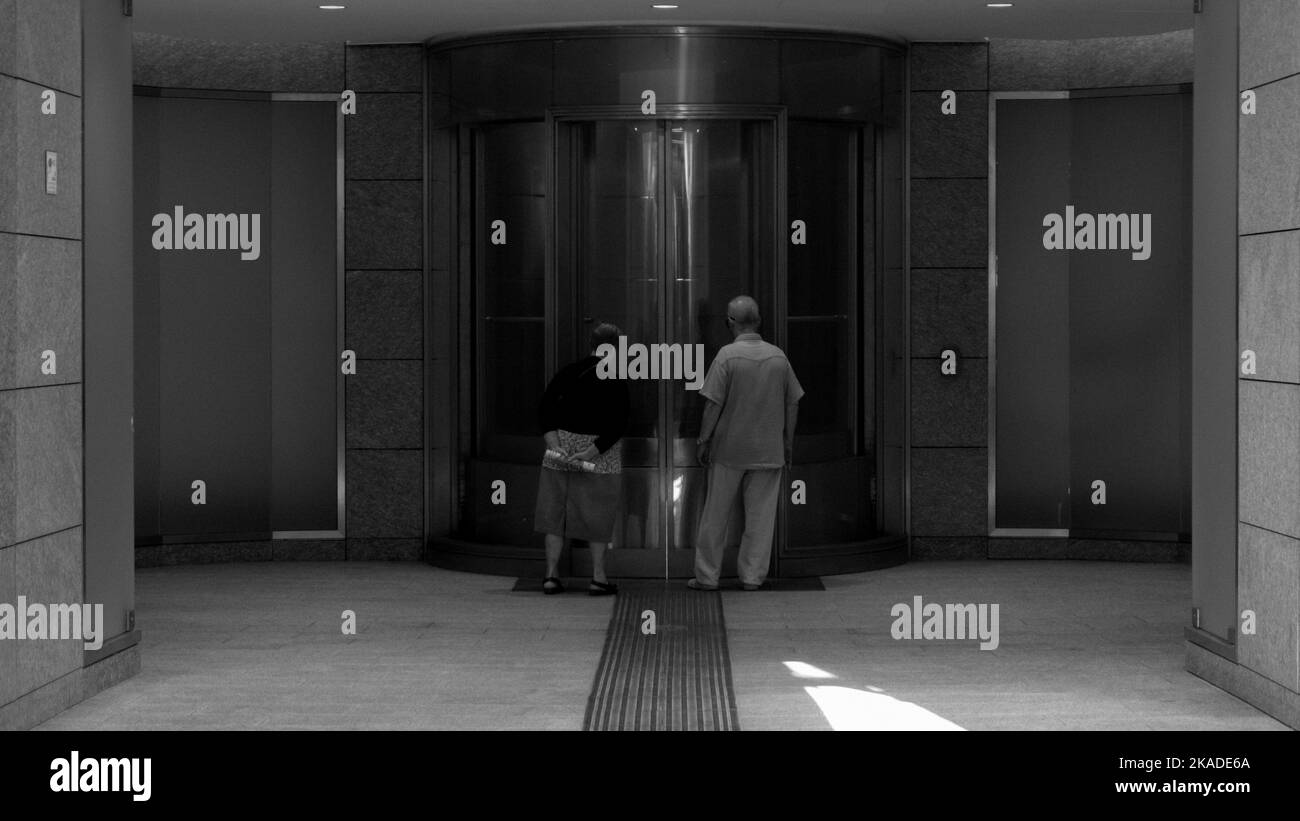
x: 645, y: 177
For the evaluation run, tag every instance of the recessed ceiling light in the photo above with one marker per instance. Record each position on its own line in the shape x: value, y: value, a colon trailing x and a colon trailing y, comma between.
x: 1000, y: 5
x: 333, y: 8
x: 664, y: 6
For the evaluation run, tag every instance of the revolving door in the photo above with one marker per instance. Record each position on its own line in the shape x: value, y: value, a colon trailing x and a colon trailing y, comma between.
x: 587, y: 211
x: 665, y: 221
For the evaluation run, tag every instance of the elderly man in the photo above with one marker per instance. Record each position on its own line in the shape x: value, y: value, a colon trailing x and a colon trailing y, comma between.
x: 746, y: 437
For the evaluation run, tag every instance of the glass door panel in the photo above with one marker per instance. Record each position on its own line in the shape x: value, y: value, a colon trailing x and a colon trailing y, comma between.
x: 617, y: 216
x: 666, y: 222
x: 720, y: 245
x: 830, y: 280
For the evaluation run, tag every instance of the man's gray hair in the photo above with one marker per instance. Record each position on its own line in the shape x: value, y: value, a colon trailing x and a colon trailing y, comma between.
x: 744, y: 311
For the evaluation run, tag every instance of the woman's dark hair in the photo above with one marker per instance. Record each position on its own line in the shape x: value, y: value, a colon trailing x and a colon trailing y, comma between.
x: 604, y: 333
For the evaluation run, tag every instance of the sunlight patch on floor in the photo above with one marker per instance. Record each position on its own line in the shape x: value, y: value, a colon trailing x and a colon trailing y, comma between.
x: 846, y: 708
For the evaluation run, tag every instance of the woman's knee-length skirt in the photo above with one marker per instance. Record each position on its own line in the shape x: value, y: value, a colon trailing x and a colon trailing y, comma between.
x: 576, y: 505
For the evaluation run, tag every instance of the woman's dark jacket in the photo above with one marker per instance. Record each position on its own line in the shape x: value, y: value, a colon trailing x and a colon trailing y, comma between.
x: 578, y: 400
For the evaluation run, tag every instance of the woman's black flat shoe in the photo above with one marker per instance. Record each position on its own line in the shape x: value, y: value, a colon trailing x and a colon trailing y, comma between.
x: 555, y: 586
x: 602, y: 588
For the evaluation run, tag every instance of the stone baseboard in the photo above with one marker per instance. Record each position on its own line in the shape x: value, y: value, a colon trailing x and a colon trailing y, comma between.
x: 1096, y: 550
x: 67, y: 691
x: 1244, y: 683
x: 265, y: 550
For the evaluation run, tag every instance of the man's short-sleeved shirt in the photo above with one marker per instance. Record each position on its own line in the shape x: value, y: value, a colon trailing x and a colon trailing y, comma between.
x: 752, y: 381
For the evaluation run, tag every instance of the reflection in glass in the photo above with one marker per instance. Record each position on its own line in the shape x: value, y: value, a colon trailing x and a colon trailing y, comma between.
x: 825, y: 183
x: 618, y: 256
x: 511, y: 286
x: 829, y: 191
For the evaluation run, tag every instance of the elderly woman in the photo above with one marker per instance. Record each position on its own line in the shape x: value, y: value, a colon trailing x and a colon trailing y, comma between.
x: 583, y: 417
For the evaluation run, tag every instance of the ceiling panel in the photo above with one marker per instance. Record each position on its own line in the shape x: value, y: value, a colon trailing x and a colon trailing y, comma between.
x: 386, y: 21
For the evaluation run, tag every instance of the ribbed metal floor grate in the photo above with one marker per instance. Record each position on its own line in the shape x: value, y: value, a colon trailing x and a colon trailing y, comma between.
x: 677, y: 678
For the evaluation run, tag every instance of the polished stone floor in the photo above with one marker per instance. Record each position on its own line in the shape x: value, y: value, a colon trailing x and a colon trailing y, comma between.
x: 1082, y: 646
